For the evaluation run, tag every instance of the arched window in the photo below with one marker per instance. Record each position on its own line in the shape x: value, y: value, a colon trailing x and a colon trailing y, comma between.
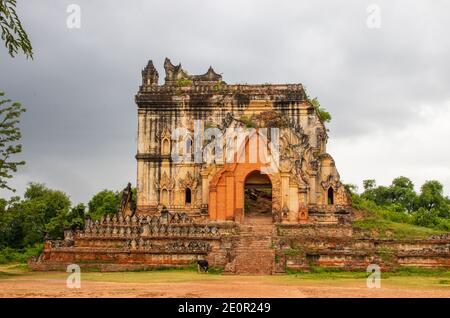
x: 187, y: 196
x: 164, y: 197
x: 330, y: 196
x: 188, y: 145
x: 165, y: 146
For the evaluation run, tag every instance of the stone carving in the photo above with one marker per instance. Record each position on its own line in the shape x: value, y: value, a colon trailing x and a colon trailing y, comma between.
x: 177, y: 226
x: 331, y: 181
x: 146, y: 230
x: 126, y: 207
x: 189, y: 181
x: 209, y: 76
x: 60, y: 243
x: 175, y: 73
x: 165, y: 182
x: 163, y: 133
x: 190, y: 246
x: 150, y: 75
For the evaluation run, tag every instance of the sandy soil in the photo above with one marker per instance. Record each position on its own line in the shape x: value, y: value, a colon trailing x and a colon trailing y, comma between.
x: 195, y: 285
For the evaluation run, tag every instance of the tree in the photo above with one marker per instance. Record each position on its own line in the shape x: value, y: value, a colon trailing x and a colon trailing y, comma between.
x: 403, y: 183
x: 75, y: 218
x: 9, y: 136
x: 400, y: 195
x: 402, y: 192
x: 42, y: 212
x: 104, y: 202
x: 369, y: 184
x: 15, y: 38
x: 13, y: 34
x: 432, y: 197
x: 323, y: 114
x: 424, y: 217
x: 379, y: 194
x: 45, y: 211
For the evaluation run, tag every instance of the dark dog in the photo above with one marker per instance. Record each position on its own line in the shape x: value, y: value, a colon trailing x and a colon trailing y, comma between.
x: 202, y: 265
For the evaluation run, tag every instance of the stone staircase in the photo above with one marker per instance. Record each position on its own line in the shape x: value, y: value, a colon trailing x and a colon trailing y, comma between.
x: 254, y: 255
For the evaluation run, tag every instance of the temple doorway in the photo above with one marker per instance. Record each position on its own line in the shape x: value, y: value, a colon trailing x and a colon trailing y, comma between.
x: 257, y: 197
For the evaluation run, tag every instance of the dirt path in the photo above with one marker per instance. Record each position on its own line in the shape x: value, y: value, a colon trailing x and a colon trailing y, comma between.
x: 192, y: 285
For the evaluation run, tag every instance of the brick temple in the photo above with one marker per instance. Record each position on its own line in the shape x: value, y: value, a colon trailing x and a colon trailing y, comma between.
x: 235, y: 174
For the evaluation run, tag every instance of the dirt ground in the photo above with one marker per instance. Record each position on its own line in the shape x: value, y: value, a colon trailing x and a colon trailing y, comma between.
x: 20, y: 283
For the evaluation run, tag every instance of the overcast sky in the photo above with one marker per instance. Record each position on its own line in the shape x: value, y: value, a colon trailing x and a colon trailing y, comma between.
x: 387, y: 88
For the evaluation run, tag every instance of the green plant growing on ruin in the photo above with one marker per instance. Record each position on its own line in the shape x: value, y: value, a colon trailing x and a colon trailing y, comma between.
x: 184, y: 82
x: 291, y: 252
x: 218, y: 86
x: 248, y: 122
x: 323, y: 114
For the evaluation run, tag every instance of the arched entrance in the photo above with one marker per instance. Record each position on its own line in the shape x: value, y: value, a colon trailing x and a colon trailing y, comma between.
x: 227, y: 187
x: 257, y: 196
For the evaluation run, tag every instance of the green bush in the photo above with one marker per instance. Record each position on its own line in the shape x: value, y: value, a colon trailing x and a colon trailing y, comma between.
x: 323, y: 114
x: 183, y: 82
x: 10, y: 255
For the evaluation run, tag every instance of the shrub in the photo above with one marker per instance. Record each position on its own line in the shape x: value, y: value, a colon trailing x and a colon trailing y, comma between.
x: 10, y: 255
x: 183, y: 82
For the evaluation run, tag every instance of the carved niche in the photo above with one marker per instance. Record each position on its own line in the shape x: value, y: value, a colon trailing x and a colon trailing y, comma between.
x: 189, y: 181
x: 331, y: 181
x: 165, y: 182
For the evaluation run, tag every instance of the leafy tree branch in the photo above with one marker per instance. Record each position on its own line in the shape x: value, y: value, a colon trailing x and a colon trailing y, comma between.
x: 9, y: 137
x: 13, y: 34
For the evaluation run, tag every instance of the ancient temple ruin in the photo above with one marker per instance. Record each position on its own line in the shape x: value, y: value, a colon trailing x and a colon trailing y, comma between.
x: 305, y: 184
x: 235, y: 174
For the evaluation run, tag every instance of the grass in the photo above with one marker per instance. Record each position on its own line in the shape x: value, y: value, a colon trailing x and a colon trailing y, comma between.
x: 385, y: 222
x: 385, y: 229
